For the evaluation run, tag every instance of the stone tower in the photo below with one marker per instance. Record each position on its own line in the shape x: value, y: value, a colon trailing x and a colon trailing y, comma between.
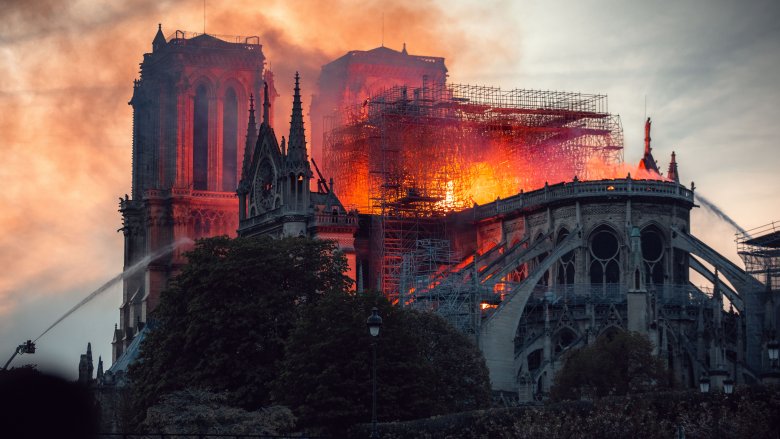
x: 190, y: 107
x: 354, y: 77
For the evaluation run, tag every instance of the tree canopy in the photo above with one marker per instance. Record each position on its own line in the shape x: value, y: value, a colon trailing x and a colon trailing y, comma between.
x: 265, y: 322
x: 425, y: 367
x: 198, y: 412
x: 616, y: 364
x: 224, y: 320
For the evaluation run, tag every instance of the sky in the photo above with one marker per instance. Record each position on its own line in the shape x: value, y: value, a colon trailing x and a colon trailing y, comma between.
x: 707, y: 72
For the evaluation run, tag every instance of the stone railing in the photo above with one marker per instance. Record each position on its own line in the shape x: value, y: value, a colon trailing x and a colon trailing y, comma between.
x: 182, y: 35
x: 666, y: 294
x: 180, y: 192
x: 258, y: 219
x: 585, y: 189
x: 326, y: 219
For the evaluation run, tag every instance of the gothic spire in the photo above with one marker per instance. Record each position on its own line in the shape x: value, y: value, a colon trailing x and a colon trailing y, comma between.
x: 297, y: 142
x: 266, y: 105
x: 648, y: 162
x: 672, y: 173
x: 251, y: 137
x: 252, y: 123
x: 648, y: 123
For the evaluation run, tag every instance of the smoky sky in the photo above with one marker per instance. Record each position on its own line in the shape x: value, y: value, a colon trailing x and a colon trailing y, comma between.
x: 708, y: 71
x: 66, y: 72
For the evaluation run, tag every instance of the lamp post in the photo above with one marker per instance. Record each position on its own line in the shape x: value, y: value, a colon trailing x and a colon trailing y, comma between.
x: 771, y: 374
x: 704, y: 384
x: 374, y: 322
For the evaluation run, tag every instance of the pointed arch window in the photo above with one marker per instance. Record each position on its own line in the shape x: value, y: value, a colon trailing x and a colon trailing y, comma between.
x: 605, y: 260
x: 545, y: 279
x: 653, y: 255
x: 566, y: 265
x: 200, y: 140
x: 229, y: 140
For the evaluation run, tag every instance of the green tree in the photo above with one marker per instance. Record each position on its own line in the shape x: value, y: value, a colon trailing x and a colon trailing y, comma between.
x: 616, y: 364
x: 223, y: 322
x: 424, y: 366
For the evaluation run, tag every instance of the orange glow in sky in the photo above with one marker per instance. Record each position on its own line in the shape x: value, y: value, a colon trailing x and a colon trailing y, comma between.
x: 67, y: 69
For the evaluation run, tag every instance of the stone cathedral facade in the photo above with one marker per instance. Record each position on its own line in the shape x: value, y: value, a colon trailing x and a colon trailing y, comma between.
x: 190, y: 113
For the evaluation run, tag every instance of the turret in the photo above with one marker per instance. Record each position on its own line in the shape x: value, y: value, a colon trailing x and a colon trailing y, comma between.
x: 90, y: 366
x: 99, y: 376
x: 83, y: 369
x: 159, y: 39
x: 266, y: 106
x: 672, y: 174
x: 85, y: 366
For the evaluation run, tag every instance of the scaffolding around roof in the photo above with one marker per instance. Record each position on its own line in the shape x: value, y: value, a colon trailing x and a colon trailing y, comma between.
x: 443, y: 147
x: 412, y: 155
x: 759, y: 248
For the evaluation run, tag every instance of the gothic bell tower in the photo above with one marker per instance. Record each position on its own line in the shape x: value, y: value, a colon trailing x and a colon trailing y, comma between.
x: 190, y: 110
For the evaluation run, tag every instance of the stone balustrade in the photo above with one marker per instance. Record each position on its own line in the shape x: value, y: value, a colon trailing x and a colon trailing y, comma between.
x: 584, y: 189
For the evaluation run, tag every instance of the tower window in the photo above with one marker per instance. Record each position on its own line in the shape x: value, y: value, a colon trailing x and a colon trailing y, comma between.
x: 229, y: 141
x: 200, y: 140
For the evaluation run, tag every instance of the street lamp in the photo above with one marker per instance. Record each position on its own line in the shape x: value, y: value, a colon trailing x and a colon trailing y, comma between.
x: 374, y: 322
x: 704, y: 384
x: 728, y: 386
x: 772, y: 350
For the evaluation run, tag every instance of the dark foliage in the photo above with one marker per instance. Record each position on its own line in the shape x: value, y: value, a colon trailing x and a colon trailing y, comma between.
x: 424, y: 366
x: 223, y: 322
x: 749, y: 413
x: 618, y: 364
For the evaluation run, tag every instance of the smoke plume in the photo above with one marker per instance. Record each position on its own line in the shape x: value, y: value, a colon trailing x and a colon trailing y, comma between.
x: 65, y: 126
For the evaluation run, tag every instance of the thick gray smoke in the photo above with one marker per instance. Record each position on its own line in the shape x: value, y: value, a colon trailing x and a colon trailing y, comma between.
x: 719, y: 213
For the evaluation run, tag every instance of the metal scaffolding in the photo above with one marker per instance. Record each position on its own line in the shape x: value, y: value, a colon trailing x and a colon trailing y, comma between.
x: 409, y: 156
x: 760, y: 250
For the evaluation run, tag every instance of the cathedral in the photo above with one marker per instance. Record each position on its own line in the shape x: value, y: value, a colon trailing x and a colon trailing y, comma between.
x: 562, y: 256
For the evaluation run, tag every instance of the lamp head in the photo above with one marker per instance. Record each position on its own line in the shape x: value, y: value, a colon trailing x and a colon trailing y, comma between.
x: 374, y: 322
x: 704, y: 384
x: 728, y: 386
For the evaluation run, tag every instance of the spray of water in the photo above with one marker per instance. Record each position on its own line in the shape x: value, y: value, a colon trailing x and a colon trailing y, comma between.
x: 140, y: 265
x: 719, y: 213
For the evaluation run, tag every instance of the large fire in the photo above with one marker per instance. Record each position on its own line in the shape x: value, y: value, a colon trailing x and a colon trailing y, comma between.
x: 445, y: 147
x: 452, y: 182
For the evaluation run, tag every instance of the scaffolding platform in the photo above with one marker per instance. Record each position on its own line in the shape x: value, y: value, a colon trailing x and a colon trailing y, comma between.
x: 759, y: 248
x: 410, y: 156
